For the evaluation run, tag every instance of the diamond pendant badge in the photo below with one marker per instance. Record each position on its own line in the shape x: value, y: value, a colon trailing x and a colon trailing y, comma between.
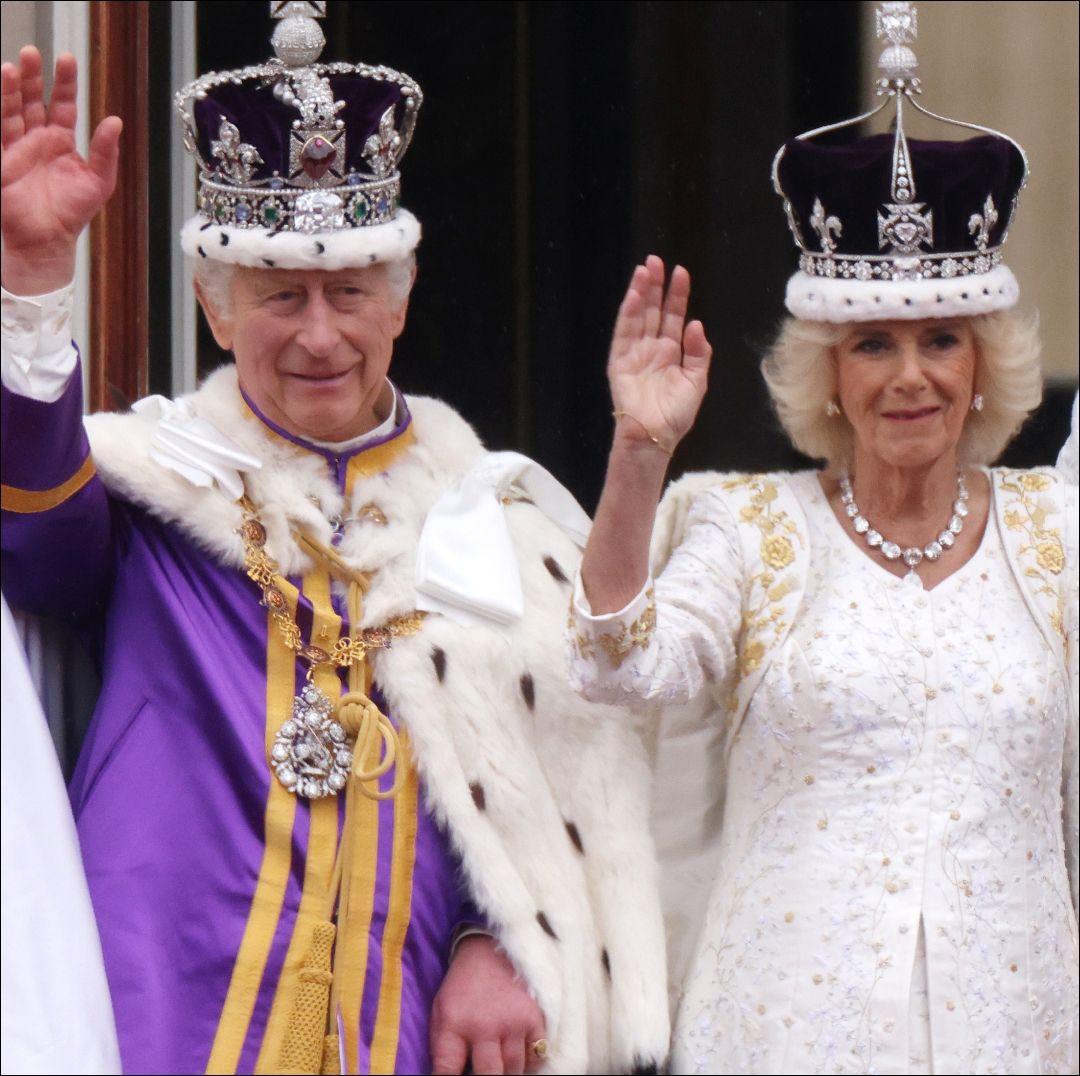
x: 311, y: 754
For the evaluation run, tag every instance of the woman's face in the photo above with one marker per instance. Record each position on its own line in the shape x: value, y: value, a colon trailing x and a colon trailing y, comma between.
x: 906, y: 388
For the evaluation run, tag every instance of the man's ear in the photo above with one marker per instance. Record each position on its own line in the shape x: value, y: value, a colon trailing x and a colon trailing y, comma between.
x: 220, y: 326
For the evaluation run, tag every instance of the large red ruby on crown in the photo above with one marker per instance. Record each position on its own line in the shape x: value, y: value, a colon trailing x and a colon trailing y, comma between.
x: 317, y: 156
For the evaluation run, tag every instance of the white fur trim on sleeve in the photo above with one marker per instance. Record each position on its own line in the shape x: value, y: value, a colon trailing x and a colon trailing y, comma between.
x: 816, y: 298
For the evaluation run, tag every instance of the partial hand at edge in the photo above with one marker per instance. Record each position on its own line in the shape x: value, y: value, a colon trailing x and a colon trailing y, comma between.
x: 484, y: 1011
x: 49, y: 192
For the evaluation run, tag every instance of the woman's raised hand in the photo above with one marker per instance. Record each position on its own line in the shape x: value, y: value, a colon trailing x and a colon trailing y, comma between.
x: 659, y: 365
x: 49, y: 192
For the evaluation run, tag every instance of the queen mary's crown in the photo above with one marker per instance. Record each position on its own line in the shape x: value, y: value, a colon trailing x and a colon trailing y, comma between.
x: 890, y: 227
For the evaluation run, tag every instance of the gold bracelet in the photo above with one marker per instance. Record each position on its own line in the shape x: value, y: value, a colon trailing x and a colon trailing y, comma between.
x: 655, y: 440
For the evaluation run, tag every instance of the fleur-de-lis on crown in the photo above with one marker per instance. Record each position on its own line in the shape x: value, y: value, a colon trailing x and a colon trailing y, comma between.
x: 825, y: 226
x: 381, y: 148
x: 238, y: 159
x: 980, y: 224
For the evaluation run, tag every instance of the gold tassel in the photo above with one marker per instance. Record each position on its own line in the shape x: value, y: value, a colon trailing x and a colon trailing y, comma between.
x: 302, y: 1051
x: 331, y: 1055
x: 310, y: 1047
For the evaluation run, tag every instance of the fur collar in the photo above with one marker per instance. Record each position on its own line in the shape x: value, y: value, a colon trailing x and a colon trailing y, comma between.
x: 294, y: 488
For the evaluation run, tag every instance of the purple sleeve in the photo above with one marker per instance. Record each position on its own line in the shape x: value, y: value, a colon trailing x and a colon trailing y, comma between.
x: 57, y: 520
x: 469, y: 916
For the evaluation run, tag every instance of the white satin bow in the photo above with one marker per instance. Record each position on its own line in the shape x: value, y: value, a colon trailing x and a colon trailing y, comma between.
x: 194, y: 448
x: 466, y: 567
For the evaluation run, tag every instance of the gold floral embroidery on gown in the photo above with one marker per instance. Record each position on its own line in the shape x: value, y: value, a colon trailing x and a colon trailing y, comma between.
x: 892, y: 891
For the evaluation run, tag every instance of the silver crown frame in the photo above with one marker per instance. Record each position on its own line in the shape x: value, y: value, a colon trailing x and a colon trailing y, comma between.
x: 904, y: 224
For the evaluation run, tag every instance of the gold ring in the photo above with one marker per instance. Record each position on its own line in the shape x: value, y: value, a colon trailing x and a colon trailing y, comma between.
x: 539, y: 1048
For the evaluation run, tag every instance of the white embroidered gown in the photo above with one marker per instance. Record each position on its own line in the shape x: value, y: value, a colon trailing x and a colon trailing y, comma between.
x: 899, y: 810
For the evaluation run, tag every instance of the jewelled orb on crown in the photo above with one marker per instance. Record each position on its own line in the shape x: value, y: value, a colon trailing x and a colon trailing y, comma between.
x: 299, y: 161
x: 890, y: 227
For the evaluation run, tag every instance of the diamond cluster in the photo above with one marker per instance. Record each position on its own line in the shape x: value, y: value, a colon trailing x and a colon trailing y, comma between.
x: 311, y: 754
x: 923, y: 267
x: 359, y: 202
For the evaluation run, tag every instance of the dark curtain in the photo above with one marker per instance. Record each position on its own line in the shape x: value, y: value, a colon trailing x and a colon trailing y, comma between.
x: 558, y: 144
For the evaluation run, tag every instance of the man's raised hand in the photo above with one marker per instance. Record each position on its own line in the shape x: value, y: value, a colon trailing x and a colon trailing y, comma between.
x: 49, y: 191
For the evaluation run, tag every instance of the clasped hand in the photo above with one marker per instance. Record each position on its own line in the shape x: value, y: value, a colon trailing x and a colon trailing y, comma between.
x: 485, y: 1013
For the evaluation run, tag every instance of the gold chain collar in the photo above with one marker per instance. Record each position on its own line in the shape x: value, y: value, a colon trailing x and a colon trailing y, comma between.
x: 263, y: 570
x: 310, y: 754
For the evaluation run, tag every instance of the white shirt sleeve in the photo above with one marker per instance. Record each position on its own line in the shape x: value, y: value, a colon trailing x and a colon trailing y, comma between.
x: 678, y: 633
x: 37, y: 357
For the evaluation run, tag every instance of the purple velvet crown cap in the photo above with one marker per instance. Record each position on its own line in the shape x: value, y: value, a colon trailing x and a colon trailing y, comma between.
x: 853, y: 182
x: 265, y: 122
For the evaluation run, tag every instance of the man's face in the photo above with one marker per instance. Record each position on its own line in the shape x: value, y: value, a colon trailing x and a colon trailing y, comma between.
x: 312, y: 348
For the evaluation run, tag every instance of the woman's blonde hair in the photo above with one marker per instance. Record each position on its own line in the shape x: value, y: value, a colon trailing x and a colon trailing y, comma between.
x: 801, y: 376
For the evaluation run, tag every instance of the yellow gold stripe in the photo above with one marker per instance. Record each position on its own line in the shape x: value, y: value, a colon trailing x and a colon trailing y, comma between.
x: 362, y: 864
x: 377, y: 459
x: 30, y: 501
x: 388, y: 1019
x: 274, y: 872
x: 321, y: 846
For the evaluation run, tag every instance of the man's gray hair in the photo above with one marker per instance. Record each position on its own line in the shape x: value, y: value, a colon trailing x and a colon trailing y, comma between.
x: 215, y: 279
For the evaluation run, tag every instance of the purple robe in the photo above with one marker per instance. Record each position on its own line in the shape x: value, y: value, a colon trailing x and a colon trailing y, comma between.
x: 207, y: 876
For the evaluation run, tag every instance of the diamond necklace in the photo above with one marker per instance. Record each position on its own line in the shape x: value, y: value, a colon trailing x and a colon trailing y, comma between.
x: 913, y: 555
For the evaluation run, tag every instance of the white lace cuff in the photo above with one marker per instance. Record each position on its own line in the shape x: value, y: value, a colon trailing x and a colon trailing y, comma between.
x: 37, y: 357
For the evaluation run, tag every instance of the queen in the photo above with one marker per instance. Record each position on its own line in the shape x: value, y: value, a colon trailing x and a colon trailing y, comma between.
x: 872, y: 667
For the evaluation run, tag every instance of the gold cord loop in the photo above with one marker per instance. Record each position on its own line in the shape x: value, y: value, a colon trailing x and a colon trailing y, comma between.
x: 335, y: 563
x: 362, y: 719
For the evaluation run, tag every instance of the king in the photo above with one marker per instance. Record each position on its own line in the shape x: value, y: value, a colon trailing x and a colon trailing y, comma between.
x: 339, y: 809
